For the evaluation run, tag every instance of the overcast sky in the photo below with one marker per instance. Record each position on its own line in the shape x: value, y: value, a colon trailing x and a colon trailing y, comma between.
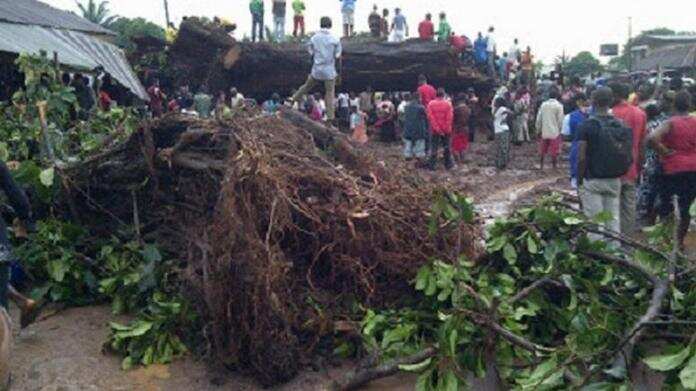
x: 549, y: 27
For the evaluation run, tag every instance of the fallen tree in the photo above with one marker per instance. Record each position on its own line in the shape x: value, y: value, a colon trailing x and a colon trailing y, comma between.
x: 547, y: 308
x: 283, y: 227
x: 204, y: 53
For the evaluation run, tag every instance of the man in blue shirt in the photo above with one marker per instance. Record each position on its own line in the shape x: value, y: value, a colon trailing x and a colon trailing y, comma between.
x: 348, y: 11
x: 399, y: 26
x: 326, y: 49
x: 481, y: 50
x: 576, y: 118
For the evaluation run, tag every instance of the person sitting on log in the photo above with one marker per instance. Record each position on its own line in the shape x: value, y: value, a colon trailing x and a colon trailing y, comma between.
x: 326, y: 49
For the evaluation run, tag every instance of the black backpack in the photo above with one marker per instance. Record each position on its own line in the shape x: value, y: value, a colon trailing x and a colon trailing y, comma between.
x: 610, y: 150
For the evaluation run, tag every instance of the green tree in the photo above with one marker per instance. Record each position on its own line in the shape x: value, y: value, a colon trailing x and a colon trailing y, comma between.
x: 97, y: 13
x: 130, y: 29
x: 583, y: 64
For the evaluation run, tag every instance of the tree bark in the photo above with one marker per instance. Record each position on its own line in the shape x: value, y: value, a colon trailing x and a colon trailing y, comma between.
x: 206, y: 55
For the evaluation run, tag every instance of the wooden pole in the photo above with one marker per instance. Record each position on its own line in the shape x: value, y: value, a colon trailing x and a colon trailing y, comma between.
x: 166, y: 12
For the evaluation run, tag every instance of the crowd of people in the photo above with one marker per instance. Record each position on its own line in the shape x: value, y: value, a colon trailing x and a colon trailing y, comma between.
x: 630, y: 147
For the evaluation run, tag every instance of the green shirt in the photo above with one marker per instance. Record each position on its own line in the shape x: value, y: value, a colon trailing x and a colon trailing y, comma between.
x: 298, y: 6
x: 256, y: 7
x: 203, y: 103
x: 443, y: 31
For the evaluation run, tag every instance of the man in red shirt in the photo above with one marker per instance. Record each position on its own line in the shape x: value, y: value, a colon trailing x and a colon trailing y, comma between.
x: 426, y: 91
x: 441, y: 117
x: 426, y: 28
x: 636, y: 119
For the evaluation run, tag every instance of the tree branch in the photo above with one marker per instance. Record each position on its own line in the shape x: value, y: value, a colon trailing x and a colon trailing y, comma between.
x: 637, y: 267
x: 359, y: 377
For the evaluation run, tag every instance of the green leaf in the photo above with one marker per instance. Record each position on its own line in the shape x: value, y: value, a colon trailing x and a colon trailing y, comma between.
x: 425, y: 381
x: 688, y: 374
x: 451, y: 382
x: 693, y: 209
x: 572, y: 221
x: 150, y: 253
x: 127, y: 363
x: 668, y: 362
x: 453, y: 340
x: 419, y: 367
x: 137, y: 330
x: 608, y: 276
x: 46, y: 177
x: 510, y: 254
x: 422, y: 278
x: 532, y: 245
x: 57, y: 269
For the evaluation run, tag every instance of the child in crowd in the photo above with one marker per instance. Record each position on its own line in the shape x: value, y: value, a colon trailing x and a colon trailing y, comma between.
x: 357, y: 125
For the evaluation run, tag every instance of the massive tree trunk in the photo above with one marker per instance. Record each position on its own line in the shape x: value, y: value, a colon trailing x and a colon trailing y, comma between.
x: 205, y: 54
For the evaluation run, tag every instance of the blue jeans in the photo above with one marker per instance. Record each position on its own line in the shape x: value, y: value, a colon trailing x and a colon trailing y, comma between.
x: 414, y: 149
x: 256, y: 27
x: 279, y: 27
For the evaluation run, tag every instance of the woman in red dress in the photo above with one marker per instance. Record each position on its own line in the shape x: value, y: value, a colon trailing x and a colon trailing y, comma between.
x: 460, y: 137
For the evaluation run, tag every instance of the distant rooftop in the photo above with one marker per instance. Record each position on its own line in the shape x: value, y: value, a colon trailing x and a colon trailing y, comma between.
x: 670, y: 57
x: 678, y: 37
x: 36, y: 13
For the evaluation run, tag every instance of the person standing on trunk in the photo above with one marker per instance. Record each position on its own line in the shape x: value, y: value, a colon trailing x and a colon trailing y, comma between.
x: 636, y: 119
x: 490, y: 50
x: 399, y: 26
x: 549, y: 123
x: 348, y: 12
x: 385, y: 24
x: 256, y: 8
x: 298, y: 6
x: 441, y: 117
x: 444, y: 30
x: 426, y: 29
x: 325, y: 49
x: 374, y: 21
x: 279, y: 8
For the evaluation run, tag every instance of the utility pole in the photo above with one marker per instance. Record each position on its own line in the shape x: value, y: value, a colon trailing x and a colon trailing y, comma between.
x: 630, y: 44
x: 166, y: 12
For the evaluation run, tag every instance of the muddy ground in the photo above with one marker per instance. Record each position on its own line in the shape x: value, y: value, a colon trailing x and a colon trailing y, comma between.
x: 63, y: 352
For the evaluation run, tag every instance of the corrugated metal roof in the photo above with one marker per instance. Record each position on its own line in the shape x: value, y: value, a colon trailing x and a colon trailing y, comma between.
x: 74, y: 48
x: 674, y: 38
x: 670, y: 57
x: 34, y: 12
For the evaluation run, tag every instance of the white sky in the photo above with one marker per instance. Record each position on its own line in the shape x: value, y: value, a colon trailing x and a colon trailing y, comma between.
x: 549, y: 27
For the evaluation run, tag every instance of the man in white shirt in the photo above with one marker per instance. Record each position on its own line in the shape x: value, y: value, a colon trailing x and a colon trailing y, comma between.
x: 514, y: 52
x: 236, y: 99
x: 550, y: 123
x: 326, y: 49
x: 491, y: 49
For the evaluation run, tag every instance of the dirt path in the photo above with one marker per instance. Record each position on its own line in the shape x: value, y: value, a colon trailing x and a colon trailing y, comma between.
x: 64, y: 352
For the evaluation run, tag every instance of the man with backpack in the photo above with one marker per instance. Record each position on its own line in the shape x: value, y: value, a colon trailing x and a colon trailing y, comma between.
x: 636, y: 119
x: 605, y: 147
